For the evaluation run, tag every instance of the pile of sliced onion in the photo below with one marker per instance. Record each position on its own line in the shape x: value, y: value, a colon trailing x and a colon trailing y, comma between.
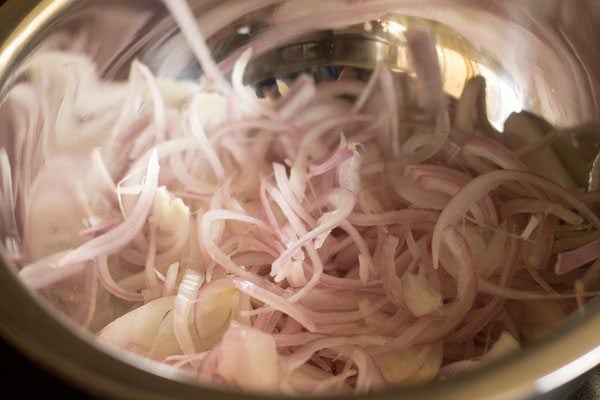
x: 348, y: 236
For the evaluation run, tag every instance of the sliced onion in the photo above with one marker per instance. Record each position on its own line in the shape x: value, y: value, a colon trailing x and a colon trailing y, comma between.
x: 136, y: 331
x: 125, y: 232
x: 321, y: 216
x: 41, y: 274
x: 485, y: 183
x: 569, y: 260
x: 109, y: 283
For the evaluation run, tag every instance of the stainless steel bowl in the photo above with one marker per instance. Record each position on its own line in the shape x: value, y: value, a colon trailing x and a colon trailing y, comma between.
x: 515, y: 59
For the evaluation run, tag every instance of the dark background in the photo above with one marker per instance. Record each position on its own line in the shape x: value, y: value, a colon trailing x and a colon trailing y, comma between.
x: 18, y: 374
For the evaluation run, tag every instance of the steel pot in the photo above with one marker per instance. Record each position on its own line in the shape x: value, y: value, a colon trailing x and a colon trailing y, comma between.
x: 142, y: 29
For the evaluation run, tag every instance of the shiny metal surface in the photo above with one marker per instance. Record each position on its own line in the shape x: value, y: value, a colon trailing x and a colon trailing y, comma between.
x: 128, y: 29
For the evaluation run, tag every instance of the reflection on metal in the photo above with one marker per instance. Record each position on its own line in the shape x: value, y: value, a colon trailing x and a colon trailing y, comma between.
x: 393, y: 27
x: 362, y: 47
